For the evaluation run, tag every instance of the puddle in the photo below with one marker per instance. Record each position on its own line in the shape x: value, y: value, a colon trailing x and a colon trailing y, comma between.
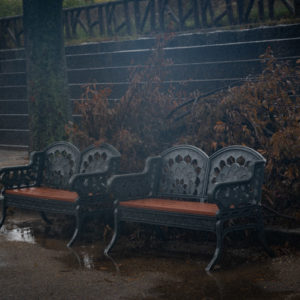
x: 15, y: 233
x: 194, y: 284
x: 77, y: 257
x: 89, y: 258
x: 180, y: 274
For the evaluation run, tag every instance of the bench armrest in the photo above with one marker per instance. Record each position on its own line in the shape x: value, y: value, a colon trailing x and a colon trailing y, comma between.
x: 239, y: 193
x: 23, y: 176
x: 136, y: 185
x: 91, y: 184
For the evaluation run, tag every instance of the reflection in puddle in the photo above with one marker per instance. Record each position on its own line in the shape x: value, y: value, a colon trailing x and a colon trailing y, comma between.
x: 179, y: 275
x: 78, y: 257
x: 14, y: 233
x: 90, y: 258
x: 87, y: 261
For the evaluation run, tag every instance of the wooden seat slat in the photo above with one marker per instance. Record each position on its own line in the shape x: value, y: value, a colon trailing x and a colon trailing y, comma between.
x: 185, y: 207
x: 44, y: 193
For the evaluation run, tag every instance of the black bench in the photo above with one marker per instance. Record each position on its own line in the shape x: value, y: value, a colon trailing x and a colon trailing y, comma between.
x: 185, y: 188
x: 60, y: 179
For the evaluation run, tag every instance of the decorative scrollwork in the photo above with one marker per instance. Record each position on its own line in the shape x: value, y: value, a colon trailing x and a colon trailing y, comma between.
x: 22, y: 176
x: 238, y: 193
x: 235, y: 177
x: 183, y: 171
x: 232, y: 164
x: 97, y: 164
x: 99, y: 159
x: 61, y: 163
x: 232, y: 172
x: 89, y: 186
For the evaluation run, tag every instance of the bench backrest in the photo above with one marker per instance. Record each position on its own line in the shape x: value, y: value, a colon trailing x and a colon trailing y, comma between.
x: 235, y: 163
x: 100, y: 158
x: 62, y: 160
x: 187, y: 171
x: 183, y: 172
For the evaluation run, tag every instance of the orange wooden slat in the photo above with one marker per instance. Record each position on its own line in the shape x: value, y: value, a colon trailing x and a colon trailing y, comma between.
x: 44, y: 193
x: 185, y: 207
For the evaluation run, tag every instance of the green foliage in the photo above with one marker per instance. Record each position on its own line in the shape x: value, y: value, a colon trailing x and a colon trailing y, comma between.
x: 75, y: 3
x: 9, y: 8
x: 217, y: 8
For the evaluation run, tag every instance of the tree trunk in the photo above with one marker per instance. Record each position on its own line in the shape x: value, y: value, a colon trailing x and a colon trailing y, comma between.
x: 47, y: 88
x: 297, y: 8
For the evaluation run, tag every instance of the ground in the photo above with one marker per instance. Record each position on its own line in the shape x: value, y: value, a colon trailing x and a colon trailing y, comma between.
x: 36, y: 264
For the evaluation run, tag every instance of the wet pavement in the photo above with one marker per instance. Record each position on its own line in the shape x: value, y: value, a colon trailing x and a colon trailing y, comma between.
x: 36, y: 264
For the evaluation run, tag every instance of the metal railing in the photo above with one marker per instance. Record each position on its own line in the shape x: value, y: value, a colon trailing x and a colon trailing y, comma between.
x: 144, y: 16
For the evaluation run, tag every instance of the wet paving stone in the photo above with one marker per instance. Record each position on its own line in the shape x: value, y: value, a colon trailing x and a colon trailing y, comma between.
x: 169, y: 270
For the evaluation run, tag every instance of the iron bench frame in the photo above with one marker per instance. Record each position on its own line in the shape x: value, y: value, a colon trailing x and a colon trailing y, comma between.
x: 231, y: 179
x: 62, y: 168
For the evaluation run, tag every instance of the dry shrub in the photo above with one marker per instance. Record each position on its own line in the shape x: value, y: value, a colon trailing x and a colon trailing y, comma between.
x: 136, y: 125
x: 263, y: 113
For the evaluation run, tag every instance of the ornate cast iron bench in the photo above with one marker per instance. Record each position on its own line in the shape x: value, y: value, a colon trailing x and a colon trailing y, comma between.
x: 60, y: 179
x: 185, y: 188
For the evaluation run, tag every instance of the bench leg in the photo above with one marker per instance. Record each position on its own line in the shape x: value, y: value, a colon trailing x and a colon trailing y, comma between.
x: 116, y: 233
x: 77, y: 231
x: 262, y: 238
x: 219, y: 246
x: 3, y: 212
x: 45, y: 218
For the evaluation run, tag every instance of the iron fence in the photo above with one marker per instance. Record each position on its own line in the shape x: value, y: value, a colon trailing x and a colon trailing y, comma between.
x: 129, y: 17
